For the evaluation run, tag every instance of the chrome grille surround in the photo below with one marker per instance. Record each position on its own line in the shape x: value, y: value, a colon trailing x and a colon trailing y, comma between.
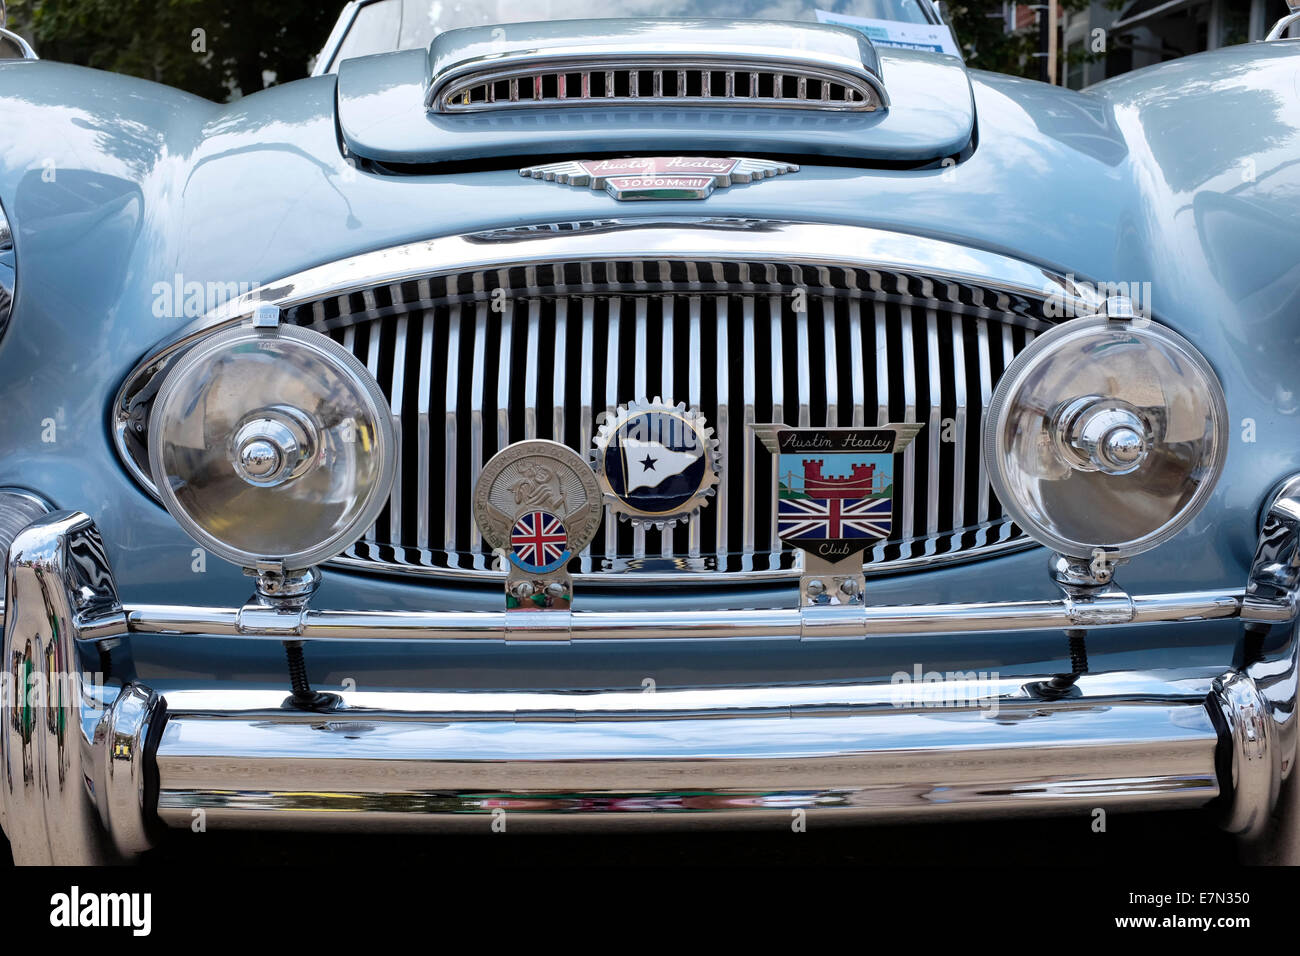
x: 610, y: 280
x: 664, y: 81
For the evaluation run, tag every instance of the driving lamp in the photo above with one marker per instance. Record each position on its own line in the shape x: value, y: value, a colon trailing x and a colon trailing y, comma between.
x: 1105, y: 434
x: 272, y: 447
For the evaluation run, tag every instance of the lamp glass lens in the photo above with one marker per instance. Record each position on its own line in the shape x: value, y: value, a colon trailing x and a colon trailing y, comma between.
x: 244, y: 391
x: 1135, y: 367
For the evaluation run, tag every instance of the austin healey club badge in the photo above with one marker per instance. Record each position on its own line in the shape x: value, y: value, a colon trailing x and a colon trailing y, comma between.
x: 834, y: 499
x: 537, y: 504
x: 657, y: 463
x: 659, y: 177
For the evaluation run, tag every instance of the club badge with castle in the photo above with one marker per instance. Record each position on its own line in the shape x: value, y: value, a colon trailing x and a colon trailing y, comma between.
x: 537, y: 504
x: 834, y: 499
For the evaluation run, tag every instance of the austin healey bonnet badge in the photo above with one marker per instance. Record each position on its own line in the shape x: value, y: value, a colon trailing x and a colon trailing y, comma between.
x: 659, y: 177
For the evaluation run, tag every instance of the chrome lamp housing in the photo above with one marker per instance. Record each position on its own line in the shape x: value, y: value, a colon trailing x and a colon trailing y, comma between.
x: 272, y: 446
x: 1106, y: 437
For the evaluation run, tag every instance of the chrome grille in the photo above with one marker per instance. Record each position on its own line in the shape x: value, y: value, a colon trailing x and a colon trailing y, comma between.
x: 648, y: 84
x: 470, y: 369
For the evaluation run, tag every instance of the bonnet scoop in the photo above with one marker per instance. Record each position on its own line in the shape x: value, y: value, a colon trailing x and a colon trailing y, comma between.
x: 563, y: 88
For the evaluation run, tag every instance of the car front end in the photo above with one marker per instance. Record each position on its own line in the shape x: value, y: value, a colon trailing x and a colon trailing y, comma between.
x: 321, y: 479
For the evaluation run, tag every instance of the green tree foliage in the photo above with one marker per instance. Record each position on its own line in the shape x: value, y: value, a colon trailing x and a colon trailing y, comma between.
x: 981, y: 31
x: 214, y: 48
x: 222, y: 48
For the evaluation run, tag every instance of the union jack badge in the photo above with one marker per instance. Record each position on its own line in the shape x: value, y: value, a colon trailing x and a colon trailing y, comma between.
x: 539, y: 542
x: 834, y: 499
x: 537, y: 504
x: 659, y: 177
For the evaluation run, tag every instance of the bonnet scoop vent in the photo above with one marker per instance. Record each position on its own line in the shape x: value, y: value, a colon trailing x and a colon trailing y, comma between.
x: 646, y: 63
x: 523, y: 93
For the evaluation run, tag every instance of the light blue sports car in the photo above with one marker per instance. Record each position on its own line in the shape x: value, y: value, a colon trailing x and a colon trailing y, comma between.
x: 712, y: 413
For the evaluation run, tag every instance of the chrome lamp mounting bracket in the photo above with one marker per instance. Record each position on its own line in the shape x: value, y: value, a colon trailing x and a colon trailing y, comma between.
x: 1091, y: 595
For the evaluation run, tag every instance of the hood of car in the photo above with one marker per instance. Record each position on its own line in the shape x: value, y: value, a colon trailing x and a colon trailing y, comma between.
x: 556, y: 89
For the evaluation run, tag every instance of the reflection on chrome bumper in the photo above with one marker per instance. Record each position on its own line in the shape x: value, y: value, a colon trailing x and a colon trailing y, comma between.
x: 93, y: 769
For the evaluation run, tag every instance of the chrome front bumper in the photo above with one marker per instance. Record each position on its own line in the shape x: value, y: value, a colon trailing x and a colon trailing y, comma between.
x: 93, y: 769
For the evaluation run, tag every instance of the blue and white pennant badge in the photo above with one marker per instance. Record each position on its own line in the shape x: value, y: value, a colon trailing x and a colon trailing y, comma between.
x: 657, y: 462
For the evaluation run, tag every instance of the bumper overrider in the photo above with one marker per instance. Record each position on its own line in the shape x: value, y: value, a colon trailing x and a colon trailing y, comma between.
x: 95, y: 768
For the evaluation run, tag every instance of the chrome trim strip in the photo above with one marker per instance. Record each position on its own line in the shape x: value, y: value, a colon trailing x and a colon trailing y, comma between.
x: 850, y: 623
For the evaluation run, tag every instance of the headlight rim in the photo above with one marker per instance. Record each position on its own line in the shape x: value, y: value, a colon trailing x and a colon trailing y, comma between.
x: 993, y: 439
x: 385, y: 437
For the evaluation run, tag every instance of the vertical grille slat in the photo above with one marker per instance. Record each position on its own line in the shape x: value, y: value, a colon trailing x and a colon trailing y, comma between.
x: 396, y: 393
x: 611, y: 393
x: 960, y: 469
x: 907, y: 357
x: 587, y: 410
x: 478, y: 426
x: 742, y: 342
x: 424, y: 460
x: 778, y: 405
x: 723, y: 419
x: 749, y: 505
x: 693, y: 396
x: 986, y: 395
x: 450, y: 416
x: 934, y: 427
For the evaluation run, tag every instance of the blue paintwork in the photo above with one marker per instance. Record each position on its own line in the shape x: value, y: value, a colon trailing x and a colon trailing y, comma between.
x: 382, y: 117
x: 1184, y: 175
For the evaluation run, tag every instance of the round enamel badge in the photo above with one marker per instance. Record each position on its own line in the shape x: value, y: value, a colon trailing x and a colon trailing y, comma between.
x: 657, y: 463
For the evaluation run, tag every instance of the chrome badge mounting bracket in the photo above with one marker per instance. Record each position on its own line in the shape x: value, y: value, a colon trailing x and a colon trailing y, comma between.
x: 537, y: 504
x: 659, y: 177
x: 834, y: 499
x: 657, y: 463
